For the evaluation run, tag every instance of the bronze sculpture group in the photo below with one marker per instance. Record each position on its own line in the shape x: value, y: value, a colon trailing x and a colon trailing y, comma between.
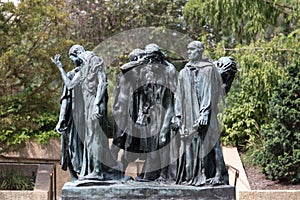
x: 167, y: 120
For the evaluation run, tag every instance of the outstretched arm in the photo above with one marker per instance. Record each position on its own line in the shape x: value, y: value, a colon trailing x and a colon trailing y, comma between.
x: 70, y: 84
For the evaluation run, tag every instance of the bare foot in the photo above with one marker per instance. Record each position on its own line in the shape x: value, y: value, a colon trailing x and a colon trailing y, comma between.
x: 161, y: 179
x: 93, y: 176
x: 215, y: 181
x: 199, y: 180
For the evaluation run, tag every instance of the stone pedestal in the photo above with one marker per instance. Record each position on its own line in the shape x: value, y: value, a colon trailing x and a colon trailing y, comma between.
x: 145, y: 190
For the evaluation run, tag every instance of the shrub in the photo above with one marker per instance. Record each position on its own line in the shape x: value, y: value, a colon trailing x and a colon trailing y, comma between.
x: 247, y: 101
x: 280, y: 157
x: 21, y: 121
x: 261, y: 66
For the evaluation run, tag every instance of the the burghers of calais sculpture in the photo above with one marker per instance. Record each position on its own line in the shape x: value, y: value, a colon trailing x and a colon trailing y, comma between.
x: 71, y: 144
x: 90, y: 113
x: 156, y: 108
x: 199, y: 91
x: 125, y: 109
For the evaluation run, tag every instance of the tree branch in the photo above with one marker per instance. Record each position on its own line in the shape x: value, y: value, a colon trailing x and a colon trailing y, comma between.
x: 259, y: 48
x: 277, y: 4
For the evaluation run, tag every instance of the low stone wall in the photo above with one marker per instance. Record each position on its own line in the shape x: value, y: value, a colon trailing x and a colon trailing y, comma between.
x: 27, y: 170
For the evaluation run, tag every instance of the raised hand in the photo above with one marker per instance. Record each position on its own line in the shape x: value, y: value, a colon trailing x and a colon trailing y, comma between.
x: 56, y: 61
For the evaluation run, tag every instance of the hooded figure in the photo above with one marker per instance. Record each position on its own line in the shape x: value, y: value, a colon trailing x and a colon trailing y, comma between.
x: 156, y: 108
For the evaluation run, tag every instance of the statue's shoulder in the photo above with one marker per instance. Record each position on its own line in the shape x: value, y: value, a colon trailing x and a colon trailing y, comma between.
x: 170, y: 67
x: 184, y: 71
x: 90, y: 55
x: 94, y: 59
x: 206, y: 63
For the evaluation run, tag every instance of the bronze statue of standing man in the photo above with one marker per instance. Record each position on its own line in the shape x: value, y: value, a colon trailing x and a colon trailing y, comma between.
x: 199, y: 90
x: 90, y: 113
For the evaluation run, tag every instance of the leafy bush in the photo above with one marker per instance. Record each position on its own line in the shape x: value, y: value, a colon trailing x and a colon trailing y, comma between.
x: 248, y: 99
x: 261, y: 66
x: 280, y: 157
x: 21, y: 120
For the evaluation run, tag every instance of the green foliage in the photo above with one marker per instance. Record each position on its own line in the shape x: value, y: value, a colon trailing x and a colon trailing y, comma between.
x: 280, y: 157
x: 261, y: 67
x: 19, y: 123
x: 95, y: 20
x: 32, y: 32
x: 240, y: 21
x: 15, y: 181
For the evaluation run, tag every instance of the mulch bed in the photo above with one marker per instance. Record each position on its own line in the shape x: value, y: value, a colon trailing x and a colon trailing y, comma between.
x: 258, y: 181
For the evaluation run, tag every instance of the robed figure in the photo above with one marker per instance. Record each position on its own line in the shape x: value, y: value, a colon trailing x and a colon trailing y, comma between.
x: 71, y: 152
x: 199, y: 91
x: 156, y: 108
x: 90, y: 113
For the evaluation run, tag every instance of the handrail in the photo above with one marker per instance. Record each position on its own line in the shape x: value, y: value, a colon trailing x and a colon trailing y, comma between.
x: 236, y: 174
